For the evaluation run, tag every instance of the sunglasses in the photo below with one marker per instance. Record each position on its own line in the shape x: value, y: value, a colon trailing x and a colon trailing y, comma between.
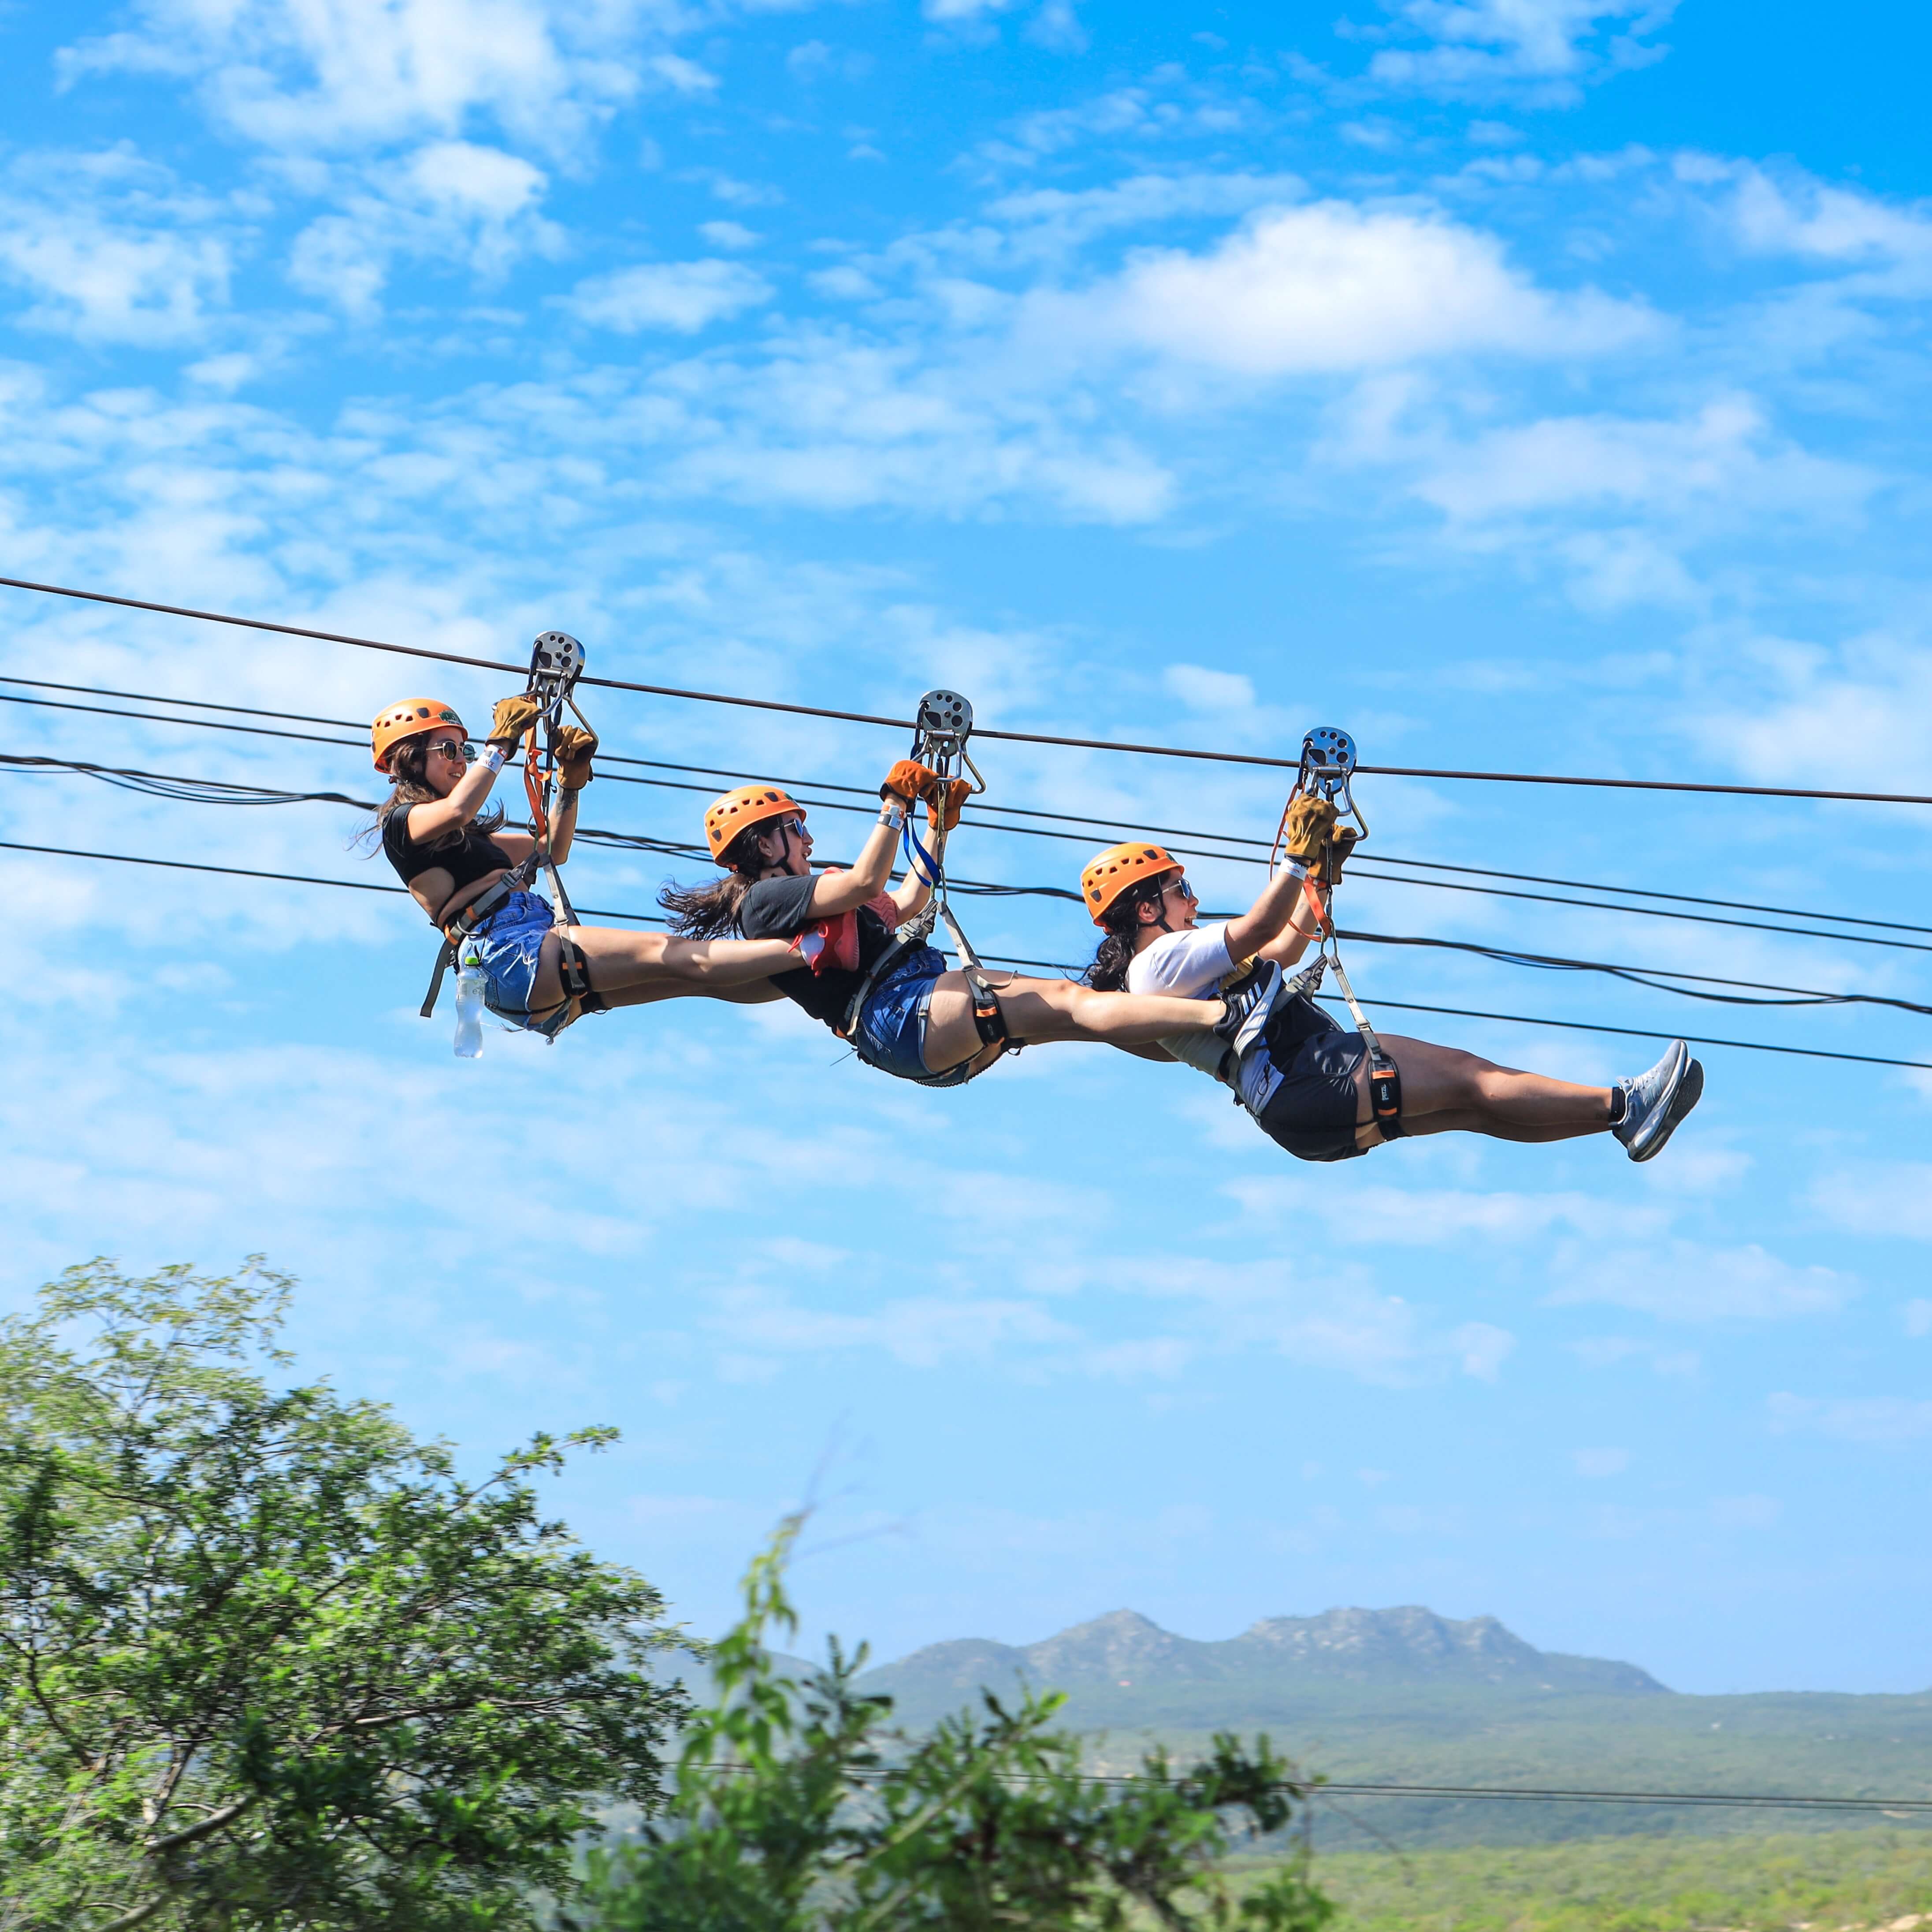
x: 453, y: 748
x: 1181, y: 886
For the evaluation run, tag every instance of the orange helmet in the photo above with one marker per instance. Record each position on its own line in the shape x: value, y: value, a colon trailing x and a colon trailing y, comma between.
x: 410, y: 719
x: 725, y: 817
x: 1108, y: 874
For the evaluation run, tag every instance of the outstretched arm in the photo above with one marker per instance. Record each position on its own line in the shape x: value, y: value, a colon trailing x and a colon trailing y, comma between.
x: 1311, y: 824
x: 834, y: 892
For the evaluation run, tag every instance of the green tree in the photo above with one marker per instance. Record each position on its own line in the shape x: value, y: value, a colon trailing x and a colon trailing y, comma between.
x: 795, y: 1810
x: 265, y: 1661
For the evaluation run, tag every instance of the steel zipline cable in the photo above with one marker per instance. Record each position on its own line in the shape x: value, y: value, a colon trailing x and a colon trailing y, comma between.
x: 1315, y: 1789
x: 1100, y: 827
x: 652, y: 919
x: 982, y: 731
x: 214, y: 791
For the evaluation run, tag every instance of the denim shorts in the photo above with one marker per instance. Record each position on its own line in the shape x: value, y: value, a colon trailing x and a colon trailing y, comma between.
x: 891, y: 1033
x: 509, y: 946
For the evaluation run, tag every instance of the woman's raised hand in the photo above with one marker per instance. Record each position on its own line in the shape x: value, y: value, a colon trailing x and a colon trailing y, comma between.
x: 1311, y: 826
x: 909, y: 779
x: 1327, y: 868
x: 955, y: 795
x: 514, y: 717
x: 575, y: 746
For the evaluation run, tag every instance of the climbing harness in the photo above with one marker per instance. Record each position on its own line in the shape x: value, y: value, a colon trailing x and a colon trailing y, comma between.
x: 942, y: 724
x: 556, y: 663
x: 1328, y: 768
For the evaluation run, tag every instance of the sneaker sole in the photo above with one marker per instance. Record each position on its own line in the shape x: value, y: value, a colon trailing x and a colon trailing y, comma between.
x: 1690, y: 1091
x: 1640, y: 1143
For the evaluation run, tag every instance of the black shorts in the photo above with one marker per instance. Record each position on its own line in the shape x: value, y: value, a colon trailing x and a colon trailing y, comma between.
x: 1312, y: 1110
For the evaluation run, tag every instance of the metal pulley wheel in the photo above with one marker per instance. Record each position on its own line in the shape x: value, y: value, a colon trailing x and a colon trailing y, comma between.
x: 1327, y: 760
x: 944, y: 714
x: 557, y: 662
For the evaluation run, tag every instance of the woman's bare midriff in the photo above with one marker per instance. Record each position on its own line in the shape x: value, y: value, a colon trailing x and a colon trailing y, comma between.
x: 427, y: 895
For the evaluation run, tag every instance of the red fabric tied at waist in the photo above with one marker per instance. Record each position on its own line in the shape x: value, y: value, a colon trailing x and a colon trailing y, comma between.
x: 833, y: 945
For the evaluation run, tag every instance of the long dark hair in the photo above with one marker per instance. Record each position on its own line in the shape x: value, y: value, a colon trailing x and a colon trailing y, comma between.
x: 711, y: 912
x: 1122, y: 920
x: 409, y: 772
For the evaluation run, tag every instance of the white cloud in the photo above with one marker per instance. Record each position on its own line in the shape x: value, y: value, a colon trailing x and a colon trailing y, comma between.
x: 1481, y: 1348
x: 1806, y: 696
x: 1200, y: 689
x: 110, y: 249
x: 346, y: 73
x: 1055, y: 221
x: 1444, y: 1217
x: 1794, y: 214
x: 682, y: 76
x: 1883, y: 1418
x: 920, y: 1331
x: 681, y: 296
x: 1684, y: 1282
x: 1543, y: 47
x: 1581, y: 462
x: 1889, y: 1197
x: 1330, y: 288
x: 729, y: 235
x: 1597, y: 1463
x: 1918, y: 1317
x: 450, y: 201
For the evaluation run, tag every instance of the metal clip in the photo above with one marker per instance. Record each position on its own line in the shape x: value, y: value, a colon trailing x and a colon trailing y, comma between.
x: 941, y: 724
x: 557, y: 662
x: 1328, y: 768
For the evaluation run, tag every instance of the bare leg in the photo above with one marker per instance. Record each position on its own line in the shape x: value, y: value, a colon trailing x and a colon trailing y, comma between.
x: 1445, y: 1090
x: 1038, y: 1010
x: 627, y: 962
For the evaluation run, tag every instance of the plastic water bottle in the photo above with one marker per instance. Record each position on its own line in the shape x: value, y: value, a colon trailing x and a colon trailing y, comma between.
x: 468, y: 1007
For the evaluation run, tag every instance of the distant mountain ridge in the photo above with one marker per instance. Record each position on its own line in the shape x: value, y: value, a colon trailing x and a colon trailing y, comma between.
x: 1124, y: 1650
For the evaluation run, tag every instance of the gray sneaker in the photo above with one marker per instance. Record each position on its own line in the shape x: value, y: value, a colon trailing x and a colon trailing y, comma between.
x: 1648, y: 1119
x: 1690, y: 1091
x: 1247, y: 1004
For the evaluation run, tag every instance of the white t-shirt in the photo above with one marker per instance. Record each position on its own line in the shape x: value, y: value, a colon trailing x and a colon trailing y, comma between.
x: 1189, y: 964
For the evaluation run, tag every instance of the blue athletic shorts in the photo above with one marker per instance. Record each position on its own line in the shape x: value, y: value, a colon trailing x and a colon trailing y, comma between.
x: 508, y: 946
x: 891, y: 1033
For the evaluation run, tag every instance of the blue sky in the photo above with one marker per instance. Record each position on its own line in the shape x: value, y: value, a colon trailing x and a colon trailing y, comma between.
x: 1520, y: 383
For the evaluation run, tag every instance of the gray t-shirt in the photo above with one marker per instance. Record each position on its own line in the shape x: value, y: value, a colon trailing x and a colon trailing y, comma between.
x: 1189, y: 964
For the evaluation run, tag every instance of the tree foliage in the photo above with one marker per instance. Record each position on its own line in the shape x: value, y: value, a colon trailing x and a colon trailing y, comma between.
x: 795, y: 1809
x: 265, y: 1661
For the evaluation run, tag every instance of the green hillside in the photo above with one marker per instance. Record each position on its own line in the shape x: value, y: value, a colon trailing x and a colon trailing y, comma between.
x: 1852, y: 1880
x: 1405, y: 1696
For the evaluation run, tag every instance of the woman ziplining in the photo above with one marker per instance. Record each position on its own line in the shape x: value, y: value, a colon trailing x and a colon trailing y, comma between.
x: 472, y: 878
x: 1322, y: 1093
x: 891, y: 995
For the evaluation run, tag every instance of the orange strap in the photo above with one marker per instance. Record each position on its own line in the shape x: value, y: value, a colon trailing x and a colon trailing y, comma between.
x: 1322, y: 926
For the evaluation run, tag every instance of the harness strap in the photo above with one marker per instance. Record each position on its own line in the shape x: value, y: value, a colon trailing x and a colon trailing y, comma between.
x: 445, y: 957
x: 1384, y: 1076
x: 573, y: 968
x: 465, y: 922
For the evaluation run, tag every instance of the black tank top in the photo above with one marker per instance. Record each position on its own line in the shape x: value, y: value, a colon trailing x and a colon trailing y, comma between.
x: 475, y: 856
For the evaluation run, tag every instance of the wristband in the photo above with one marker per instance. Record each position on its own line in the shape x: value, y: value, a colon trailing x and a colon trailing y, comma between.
x: 492, y: 760
x: 893, y: 815
x: 1294, y: 868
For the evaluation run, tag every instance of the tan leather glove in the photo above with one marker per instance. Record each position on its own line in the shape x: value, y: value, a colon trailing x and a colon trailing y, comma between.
x: 910, y: 780
x: 514, y: 717
x: 1311, y: 823
x: 957, y: 793
x: 575, y: 746
x: 1327, y: 869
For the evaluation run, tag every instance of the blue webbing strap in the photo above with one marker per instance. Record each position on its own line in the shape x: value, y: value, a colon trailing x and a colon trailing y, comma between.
x: 921, y: 862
